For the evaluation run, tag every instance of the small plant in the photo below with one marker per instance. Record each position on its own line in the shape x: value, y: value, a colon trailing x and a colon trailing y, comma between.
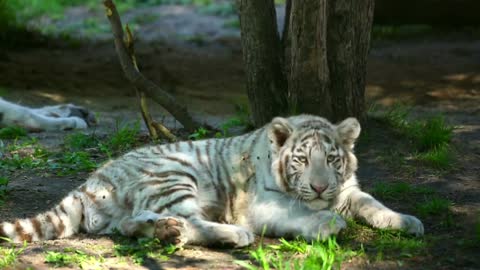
x: 122, y: 140
x: 80, y: 141
x: 439, y: 157
x: 75, y: 162
x: 9, y: 255
x: 199, y: 134
x: 298, y: 254
x: 142, y: 248
x: 434, y: 206
x: 25, y: 155
x: 72, y: 257
x: 432, y: 133
x: 430, y: 138
x: 10, y: 133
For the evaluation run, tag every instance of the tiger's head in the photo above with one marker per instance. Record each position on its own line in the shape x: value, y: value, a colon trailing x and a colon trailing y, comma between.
x: 311, y: 157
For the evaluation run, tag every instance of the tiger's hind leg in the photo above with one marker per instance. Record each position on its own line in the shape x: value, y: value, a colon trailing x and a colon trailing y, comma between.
x: 168, y: 229
x: 66, y: 111
x: 180, y: 231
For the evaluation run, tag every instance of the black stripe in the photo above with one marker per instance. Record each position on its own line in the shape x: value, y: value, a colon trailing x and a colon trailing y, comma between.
x: 177, y: 200
x: 165, y: 174
x: 157, y: 150
x: 181, y: 161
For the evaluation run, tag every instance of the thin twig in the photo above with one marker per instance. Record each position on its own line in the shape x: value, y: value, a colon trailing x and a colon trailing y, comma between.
x: 128, y: 64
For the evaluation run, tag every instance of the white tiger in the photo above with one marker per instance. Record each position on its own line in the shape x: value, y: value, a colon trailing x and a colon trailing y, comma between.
x: 49, y: 118
x: 293, y: 177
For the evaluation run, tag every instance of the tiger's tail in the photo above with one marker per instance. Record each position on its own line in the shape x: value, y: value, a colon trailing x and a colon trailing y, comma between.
x: 61, y: 221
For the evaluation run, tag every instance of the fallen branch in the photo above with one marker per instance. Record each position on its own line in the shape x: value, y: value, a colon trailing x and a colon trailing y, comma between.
x: 153, y: 127
x: 140, y: 82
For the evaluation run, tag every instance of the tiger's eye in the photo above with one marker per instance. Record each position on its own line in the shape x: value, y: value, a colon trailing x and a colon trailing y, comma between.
x: 302, y: 160
x: 330, y: 158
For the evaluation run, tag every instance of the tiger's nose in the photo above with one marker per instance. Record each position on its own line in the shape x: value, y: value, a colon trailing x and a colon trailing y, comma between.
x: 319, y: 188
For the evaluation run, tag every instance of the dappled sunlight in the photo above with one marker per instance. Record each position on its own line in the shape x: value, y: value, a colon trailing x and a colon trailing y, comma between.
x: 51, y: 96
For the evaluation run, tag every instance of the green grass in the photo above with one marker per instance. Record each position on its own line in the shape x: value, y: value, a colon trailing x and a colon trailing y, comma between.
x: 433, y: 207
x: 142, y: 248
x: 199, y: 134
x: 80, y: 141
x: 428, y: 203
x: 124, y: 138
x: 72, y: 258
x: 9, y: 133
x: 9, y: 255
x: 430, y: 138
x: 398, y: 243
x: 382, y: 244
x: 27, y: 154
x: 439, y: 157
x: 398, y: 191
x: 298, y: 254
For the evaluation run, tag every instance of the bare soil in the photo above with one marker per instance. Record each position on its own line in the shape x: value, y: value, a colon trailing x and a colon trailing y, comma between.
x: 434, y: 76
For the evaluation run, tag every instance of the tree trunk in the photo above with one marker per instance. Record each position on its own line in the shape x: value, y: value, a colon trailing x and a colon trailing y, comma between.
x: 308, y: 80
x: 329, y: 49
x: 348, y: 42
x: 266, y: 83
x: 324, y: 47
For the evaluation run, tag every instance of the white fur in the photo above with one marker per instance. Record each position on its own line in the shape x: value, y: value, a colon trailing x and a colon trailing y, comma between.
x: 50, y: 118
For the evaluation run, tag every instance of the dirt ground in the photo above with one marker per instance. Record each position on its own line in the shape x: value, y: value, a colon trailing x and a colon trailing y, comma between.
x: 436, y: 75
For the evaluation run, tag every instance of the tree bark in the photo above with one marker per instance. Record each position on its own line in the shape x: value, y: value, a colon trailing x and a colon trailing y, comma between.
x: 348, y: 41
x: 308, y: 80
x: 262, y: 56
x: 329, y: 43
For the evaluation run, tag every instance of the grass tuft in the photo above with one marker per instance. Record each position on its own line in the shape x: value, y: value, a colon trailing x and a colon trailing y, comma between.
x: 298, y: 254
x: 142, y: 248
x: 9, y: 255
x: 11, y: 133
x: 397, y: 191
x: 434, y: 206
x: 430, y: 138
x: 72, y: 257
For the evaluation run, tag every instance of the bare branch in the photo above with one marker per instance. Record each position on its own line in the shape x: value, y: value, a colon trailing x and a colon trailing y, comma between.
x: 138, y: 80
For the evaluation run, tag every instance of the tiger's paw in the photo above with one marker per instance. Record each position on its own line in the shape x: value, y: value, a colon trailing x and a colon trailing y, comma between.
x: 82, y: 113
x: 397, y: 221
x: 233, y: 235
x: 170, y: 230
x: 411, y: 225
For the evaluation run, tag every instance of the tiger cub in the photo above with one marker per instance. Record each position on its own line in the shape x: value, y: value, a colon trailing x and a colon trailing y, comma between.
x: 48, y: 118
x: 293, y: 177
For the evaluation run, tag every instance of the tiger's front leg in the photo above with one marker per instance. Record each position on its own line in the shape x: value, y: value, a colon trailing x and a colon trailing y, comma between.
x: 278, y: 216
x: 362, y: 205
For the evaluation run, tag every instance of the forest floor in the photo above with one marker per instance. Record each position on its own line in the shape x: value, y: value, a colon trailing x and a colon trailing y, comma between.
x: 197, y: 56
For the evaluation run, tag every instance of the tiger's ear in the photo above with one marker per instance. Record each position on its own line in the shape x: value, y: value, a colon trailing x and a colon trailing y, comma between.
x: 278, y: 132
x: 348, y: 131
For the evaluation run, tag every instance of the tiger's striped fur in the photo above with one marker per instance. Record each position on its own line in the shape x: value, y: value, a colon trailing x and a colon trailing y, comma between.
x: 294, y: 177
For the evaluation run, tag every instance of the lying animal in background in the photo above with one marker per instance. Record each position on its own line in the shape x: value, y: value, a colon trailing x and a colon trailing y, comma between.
x: 49, y: 118
x: 293, y: 177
